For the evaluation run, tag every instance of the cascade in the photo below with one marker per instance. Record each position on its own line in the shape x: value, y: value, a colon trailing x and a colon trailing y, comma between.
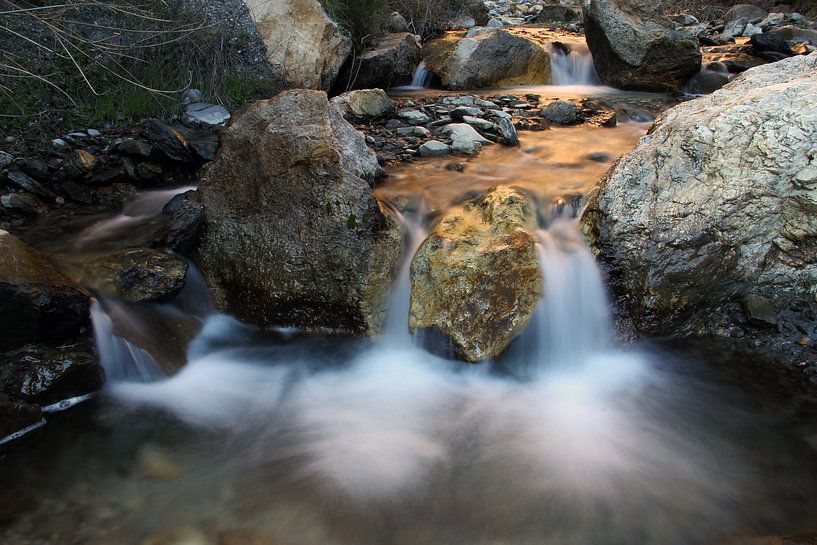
x: 121, y: 359
x: 572, y: 65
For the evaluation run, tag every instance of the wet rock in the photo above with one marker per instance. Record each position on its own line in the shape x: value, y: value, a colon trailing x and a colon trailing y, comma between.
x: 134, y: 146
x: 489, y: 59
x: 461, y: 111
x: 78, y: 192
x: 301, y: 240
x: 40, y: 304
x: 5, y: 159
x: 390, y: 62
x: 796, y: 34
x: 716, y: 203
x: 475, y: 281
x: 16, y: 416
x: 635, y: 47
x: 148, y: 172
x: 413, y: 131
x: 45, y: 375
x: 478, y: 122
x: 301, y: 40
x: 139, y: 275
x: 507, y: 131
x: 363, y: 103
x: 181, y: 235
x: 434, y: 148
x: 168, y: 140
x: 562, y: 112
x: 37, y: 169
x: 770, y: 43
x: 26, y: 183
x: 81, y: 162
x: 203, y: 115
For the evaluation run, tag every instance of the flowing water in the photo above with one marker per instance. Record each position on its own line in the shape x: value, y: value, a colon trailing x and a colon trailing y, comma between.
x: 277, y: 437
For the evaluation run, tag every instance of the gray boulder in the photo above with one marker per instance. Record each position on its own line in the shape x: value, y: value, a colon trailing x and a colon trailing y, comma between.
x: 635, y: 47
x: 717, y: 203
x: 750, y: 12
x: 487, y: 59
x: 293, y: 234
x: 363, y: 103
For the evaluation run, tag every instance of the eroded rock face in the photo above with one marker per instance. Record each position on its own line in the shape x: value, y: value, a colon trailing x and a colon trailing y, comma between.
x: 475, y: 281
x: 488, y: 58
x: 390, y: 62
x: 39, y: 303
x: 717, y: 203
x: 635, y: 47
x: 293, y: 233
x: 302, y: 42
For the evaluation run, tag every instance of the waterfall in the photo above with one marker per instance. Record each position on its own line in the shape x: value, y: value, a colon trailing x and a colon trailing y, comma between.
x: 421, y: 79
x: 573, y: 319
x: 396, y: 329
x: 572, y: 65
x: 121, y: 359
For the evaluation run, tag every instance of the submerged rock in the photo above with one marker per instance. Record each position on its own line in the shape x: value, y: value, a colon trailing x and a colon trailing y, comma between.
x: 635, y: 47
x: 718, y: 204
x: 491, y: 58
x: 138, y: 275
x: 475, y: 281
x: 293, y: 233
x: 562, y: 112
x: 39, y: 303
x: 301, y: 40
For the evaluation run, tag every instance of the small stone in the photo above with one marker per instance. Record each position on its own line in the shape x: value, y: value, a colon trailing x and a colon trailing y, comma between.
x: 93, y: 133
x: 5, y: 159
x: 434, y: 148
x: 413, y: 131
x: 155, y: 463
x: 59, y: 143
x: 495, y: 23
x: 26, y: 183
x: 461, y: 111
x: 562, y: 112
x: 761, y: 310
x: 804, y: 341
x: 191, y: 96
x: 23, y: 203
x: 479, y: 123
x: 508, y: 132
x: 413, y: 117
x: 202, y: 114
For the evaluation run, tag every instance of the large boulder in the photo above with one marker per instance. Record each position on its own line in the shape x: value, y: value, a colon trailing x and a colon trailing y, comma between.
x: 390, y: 62
x: 39, y: 303
x: 302, y: 42
x: 363, y: 103
x: 487, y: 58
x: 711, y: 223
x: 475, y: 281
x: 635, y: 47
x: 293, y: 234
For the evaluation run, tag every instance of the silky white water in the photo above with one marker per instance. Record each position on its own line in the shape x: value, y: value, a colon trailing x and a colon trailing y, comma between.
x: 573, y: 67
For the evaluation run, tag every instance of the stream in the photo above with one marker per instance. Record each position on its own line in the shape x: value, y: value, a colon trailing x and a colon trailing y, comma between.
x: 278, y: 437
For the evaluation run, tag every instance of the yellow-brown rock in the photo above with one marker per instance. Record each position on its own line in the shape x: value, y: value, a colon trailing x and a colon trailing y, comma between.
x: 475, y: 281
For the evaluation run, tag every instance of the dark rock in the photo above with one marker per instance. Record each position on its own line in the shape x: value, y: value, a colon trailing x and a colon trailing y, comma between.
x: 116, y: 195
x: 389, y: 63
x: 16, y: 417
x: 760, y: 309
x: 562, y: 112
x: 78, y: 193
x: 168, y: 140
x: 706, y: 82
x: 636, y: 47
x: 460, y: 111
x: 770, y: 42
x: 108, y: 176
x: 507, y: 131
x: 40, y: 304
x: 37, y: 169
x: 148, y: 172
x: 301, y: 240
x: 132, y: 146
x: 44, y: 375
x: 23, y: 203
x: 598, y: 157
x: 80, y: 162
x: 138, y: 275
x: 26, y: 183
x: 558, y: 14
x: 773, y: 56
x: 182, y: 234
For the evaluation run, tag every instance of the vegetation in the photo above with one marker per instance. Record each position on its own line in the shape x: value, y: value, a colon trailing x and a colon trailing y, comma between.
x: 73, y: 63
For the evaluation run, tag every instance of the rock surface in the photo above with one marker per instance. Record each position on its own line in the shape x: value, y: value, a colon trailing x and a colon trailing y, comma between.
x: 139, y: 275
x: 390, y: 62
x: 488, y: 58
x: 635, y: 47
x: 475, y: 281
x: 306, y: 46
x: 363, y: 103
x: 39, y: 303
x: 293, y: 233
x: 718, y: 203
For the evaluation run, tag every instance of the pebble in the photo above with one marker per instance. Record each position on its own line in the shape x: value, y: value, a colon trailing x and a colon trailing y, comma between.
x: 5, y: 159
x: 434, y: 148
x: 93, y: 133
x: 59, y: 143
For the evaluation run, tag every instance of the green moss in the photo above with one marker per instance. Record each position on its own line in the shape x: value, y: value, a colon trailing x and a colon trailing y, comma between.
x: 351, y: 221
x: 689, y: 44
